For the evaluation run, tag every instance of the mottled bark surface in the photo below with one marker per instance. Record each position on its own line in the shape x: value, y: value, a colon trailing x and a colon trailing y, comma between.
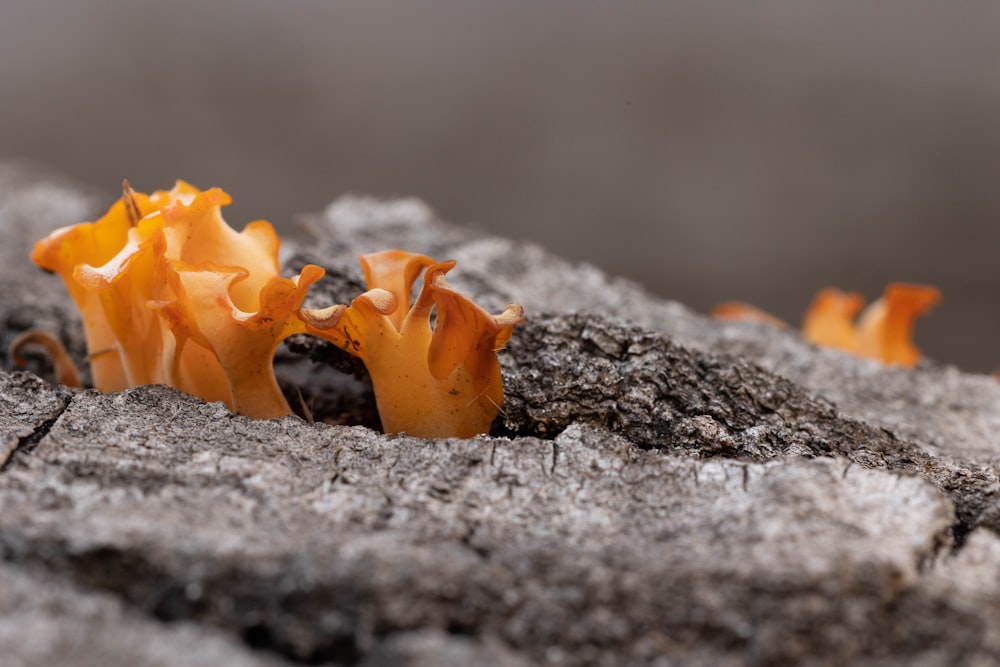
x: 660, y: 489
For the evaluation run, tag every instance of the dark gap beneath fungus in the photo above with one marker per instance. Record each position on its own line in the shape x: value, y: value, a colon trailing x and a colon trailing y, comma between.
x: 322, y: 383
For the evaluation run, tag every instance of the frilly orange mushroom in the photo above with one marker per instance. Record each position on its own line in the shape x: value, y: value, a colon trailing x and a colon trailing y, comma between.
x: 830, y: 319
x: 169, y: 293
x: 94, y: 244
x: 433, y: 364
x: 885, y: 328
x: 884, y: 331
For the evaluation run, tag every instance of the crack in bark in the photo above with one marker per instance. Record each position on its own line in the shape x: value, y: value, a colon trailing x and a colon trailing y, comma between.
x: 28, y: 442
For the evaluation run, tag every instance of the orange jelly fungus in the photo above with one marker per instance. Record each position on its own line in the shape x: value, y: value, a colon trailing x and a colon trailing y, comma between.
x: 170, y: 294
x: 830, y: 319
x: 433, y: 364
x: 884, y: 330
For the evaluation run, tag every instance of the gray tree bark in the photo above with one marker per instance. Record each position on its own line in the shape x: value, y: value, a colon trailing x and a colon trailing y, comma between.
x: 660, y: 489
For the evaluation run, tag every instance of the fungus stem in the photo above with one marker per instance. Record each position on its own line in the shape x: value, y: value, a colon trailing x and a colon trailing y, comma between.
x: 65, y: 369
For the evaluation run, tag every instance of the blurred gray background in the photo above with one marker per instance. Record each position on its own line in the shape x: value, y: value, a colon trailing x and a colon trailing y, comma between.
x: 712, y: 150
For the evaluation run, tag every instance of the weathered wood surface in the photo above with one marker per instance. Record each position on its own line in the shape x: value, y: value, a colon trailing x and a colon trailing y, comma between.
x: 661, y: 489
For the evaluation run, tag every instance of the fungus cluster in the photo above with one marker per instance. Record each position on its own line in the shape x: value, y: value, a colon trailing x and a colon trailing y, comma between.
x: 883, y: 331
x: 170, y: 294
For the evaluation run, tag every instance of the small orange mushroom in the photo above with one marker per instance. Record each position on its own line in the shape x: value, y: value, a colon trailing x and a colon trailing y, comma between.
x: 433, y: 364
x: 884, y: 331
x: 885, y: 328
x: 830, y: 319
x: 242, y: 343
x: 169, y: 293
x: 95, y: 244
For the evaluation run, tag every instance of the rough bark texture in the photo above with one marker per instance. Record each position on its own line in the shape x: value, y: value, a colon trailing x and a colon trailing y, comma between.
x: 660, y: 489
